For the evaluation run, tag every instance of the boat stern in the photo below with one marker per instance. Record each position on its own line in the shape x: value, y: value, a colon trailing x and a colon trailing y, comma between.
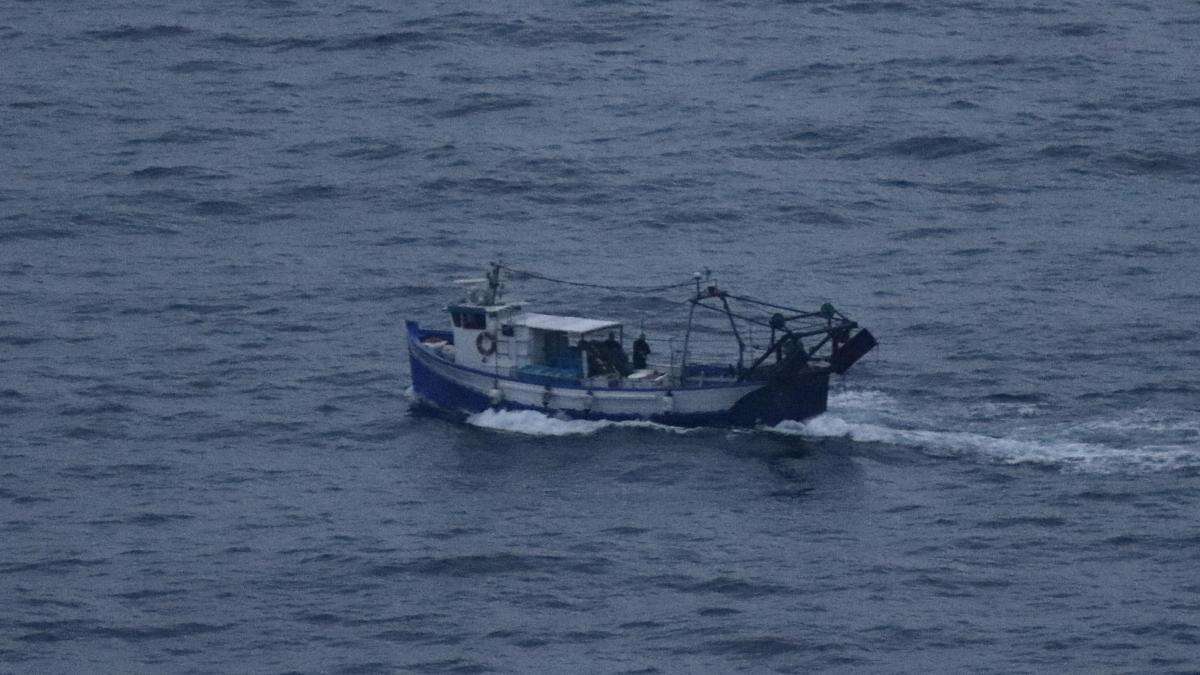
x: 799, y: 399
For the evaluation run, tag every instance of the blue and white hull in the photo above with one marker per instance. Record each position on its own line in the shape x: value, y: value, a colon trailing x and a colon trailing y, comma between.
x: 440, y: 382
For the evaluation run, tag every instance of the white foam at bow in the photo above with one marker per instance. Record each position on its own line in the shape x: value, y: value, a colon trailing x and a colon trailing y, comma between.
x: 534, y: 423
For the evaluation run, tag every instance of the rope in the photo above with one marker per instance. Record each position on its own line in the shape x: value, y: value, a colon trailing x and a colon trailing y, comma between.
x: 619, y: 289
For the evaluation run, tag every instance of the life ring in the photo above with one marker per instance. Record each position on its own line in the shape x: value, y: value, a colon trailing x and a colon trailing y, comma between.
x: 486, y: 344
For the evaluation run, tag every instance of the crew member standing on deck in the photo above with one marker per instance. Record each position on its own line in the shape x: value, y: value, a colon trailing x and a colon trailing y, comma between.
x: 641, y: 349
x: 616, y: 355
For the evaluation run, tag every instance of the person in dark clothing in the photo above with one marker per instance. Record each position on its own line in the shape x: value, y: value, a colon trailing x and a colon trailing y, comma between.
x: 641, y: 349
x: 615, y: 355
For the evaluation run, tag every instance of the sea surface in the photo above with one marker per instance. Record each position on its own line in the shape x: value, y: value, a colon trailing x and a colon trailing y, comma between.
x: 215, y: 217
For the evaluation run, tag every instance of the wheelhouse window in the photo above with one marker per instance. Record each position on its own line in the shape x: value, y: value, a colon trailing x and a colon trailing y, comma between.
x: 468, y: 319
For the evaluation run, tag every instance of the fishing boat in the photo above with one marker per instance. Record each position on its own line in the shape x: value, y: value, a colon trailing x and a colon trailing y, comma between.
x: 498, y: 355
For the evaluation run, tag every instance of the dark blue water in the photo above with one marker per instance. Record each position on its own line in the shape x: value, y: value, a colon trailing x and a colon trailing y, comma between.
x: 214, y: 219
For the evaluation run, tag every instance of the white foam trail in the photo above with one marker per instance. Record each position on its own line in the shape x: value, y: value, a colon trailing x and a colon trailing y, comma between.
x: 1063, y: 452
x: 534, y: 423
x: 1143, y: 420
x: 875, y: 417
x: 875, y: 406
x: 1002, y: 411
x: 862, y: 399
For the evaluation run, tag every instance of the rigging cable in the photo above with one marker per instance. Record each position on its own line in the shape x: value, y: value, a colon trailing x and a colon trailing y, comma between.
x: 626, y: 289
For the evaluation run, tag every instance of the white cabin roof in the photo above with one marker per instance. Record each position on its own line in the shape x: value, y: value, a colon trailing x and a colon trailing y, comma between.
x: 565, y: 324
x: 491, y: 309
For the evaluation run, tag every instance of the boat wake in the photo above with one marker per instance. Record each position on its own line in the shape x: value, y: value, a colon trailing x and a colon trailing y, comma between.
x: 1140, y: 441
